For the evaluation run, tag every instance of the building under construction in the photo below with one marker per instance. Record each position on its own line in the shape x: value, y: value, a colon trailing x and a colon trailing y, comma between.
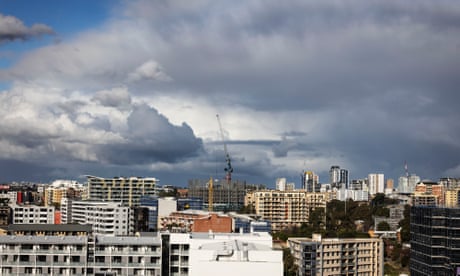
x: 225, y: 197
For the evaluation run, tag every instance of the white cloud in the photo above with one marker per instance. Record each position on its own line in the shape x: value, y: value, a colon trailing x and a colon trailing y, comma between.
x: 150, y: 70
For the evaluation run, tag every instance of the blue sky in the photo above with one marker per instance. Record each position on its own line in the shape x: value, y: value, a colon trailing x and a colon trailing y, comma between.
x: 65, y: 17
x: 132, y: 88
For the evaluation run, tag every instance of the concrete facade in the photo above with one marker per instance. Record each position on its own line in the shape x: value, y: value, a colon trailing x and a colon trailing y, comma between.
x: 317, y: 256
x: 286, y: 208
x: 127, y: 191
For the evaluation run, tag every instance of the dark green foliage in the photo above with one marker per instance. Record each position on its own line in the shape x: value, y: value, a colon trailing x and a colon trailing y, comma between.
x: 405, y: 225
x: 247, y: 209
x: 383, y: 226
x: 288, y: 260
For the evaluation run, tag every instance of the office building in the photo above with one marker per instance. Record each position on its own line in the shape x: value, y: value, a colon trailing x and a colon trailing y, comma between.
x: 288, y: 208
x: 333, y: 256
x: 435, y: 240
x: 127, y: 191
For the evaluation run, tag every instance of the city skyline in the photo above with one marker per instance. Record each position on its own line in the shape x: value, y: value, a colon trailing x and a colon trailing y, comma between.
x: 132, y: 88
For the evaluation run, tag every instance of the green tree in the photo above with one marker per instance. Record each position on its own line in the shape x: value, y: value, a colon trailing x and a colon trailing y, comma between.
x: 405, y: 225
x: 383, y: 226
x: 290, y: 269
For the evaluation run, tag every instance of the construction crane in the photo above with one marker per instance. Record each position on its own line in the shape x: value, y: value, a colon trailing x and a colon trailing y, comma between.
x: 228, y: 169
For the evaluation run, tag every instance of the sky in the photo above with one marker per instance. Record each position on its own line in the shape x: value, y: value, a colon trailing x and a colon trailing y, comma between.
x: 132, y: 88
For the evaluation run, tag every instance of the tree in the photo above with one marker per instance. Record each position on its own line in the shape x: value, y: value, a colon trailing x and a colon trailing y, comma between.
x: 383, y: 226
x: 290, y: 269
x: 405, y: 225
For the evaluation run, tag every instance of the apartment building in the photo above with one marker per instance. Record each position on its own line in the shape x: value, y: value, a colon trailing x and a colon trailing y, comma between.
x: 452, y: 197
x: 32, y: 214
x: 60, y: 189
x: 286, y: 208
x: 73, y: 250
x: 128, y: 191
x: 333, y: 256
x: 106, y: 218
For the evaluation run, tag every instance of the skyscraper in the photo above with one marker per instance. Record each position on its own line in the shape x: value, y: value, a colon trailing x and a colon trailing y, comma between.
x: 376, y: 183
x: 334, y: 176
x: 310, y: 182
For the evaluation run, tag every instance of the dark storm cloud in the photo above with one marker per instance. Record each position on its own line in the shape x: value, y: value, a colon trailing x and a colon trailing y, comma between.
x: 362, y: 84
x: 324, y: 52
x: 11, y: 28
x: 151, y: 138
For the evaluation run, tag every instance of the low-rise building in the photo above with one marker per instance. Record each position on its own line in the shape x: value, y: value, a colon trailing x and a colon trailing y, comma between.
x: 74, y: 250
x: 333, y: 256
x: 196, y: 221
x: 107, y: 218
x: 32, y: 214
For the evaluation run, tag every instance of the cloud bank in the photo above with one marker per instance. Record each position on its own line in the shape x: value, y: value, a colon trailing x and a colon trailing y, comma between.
x: 372, y: 83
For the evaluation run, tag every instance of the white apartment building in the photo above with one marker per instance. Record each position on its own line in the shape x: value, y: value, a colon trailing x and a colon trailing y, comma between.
x: 73, y: 250
x: 107, y: 218
x: 333, y: 256
x: 376, y: 182
x: 127, y: 191
x: 286, y: 208
x: 32, y: 214
x: 79, y: 255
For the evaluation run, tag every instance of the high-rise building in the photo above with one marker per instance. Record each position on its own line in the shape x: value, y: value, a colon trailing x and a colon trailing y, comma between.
x: 376, y: 183
x: 323, y: 256
x: 343, y: 178
x: 334, y: 176
x: 407, y: 184
x: 127, y: 191
x: 310, y: 182
x: 435, y: 236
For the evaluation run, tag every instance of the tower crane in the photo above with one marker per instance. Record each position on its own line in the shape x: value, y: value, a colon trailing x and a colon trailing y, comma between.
x: 228, y: 169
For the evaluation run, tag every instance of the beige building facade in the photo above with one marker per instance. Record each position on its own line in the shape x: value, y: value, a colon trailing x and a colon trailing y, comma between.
x: 333, y: 256
x: 286, y: 208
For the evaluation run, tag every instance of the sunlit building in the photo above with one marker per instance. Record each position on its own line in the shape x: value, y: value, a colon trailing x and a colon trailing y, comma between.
x: 288, y: 208
x: 332, y: 256
x: 128, y: 191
